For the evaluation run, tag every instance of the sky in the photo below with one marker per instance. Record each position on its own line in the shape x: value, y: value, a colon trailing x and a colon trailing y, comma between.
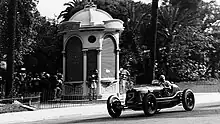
x: 52, y: 8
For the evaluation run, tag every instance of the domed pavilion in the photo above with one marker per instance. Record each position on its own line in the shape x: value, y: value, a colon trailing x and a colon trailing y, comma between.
x: 90, y: 42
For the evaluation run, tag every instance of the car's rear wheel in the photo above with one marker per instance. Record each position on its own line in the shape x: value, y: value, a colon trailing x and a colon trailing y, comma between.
x: 149, y: 104
x: 114, y: 106
x: 188, y: 100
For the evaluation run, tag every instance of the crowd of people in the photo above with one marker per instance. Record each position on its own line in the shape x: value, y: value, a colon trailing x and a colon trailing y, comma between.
x: 53, y: 84
x: 28, y: 82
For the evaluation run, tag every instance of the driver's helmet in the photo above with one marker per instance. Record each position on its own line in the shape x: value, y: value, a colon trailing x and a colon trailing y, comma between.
x: 162, y: 78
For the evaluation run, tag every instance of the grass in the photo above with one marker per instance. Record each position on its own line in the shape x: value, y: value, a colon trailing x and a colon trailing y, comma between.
x: 8, y: 108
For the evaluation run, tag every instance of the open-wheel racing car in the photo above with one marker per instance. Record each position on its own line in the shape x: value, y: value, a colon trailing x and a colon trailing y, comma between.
x: 151, y: 98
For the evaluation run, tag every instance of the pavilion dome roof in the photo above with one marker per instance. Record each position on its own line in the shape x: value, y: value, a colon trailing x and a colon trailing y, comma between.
x: 90, y: 19
x: 90, y: 16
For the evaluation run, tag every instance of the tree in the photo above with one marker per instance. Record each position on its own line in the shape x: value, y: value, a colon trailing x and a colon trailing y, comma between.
x: 72, y: 7
x: 12, y: 10
x: 18, y: 41
x: 25, y: 33
x: 48, y: 53
x: 3, y: 27
x: 171, y: 23
x: 183, y: 42
x: 210, y: 26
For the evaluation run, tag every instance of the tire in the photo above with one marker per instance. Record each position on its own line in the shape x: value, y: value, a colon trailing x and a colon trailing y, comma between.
x: 114, y: 106
x: 149, y: 103
x: 188, y: 100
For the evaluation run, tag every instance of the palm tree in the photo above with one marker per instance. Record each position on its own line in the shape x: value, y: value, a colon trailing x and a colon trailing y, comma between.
x: 72, y: 7
x: 178, y: 32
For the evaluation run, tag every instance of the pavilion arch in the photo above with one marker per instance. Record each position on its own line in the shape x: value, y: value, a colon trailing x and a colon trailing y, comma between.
x: 74, y: 59
x: 108, y: 57
x: 69, y: 37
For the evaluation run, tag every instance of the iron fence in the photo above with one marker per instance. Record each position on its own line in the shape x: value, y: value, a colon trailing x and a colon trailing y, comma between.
x: 49, y: 101
x: 30, y: 99
x: 46, y: 100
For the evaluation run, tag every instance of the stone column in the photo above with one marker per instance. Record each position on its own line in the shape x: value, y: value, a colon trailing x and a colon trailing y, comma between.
x: 99, y: 69
x: 64, y: 65
x: 64, y: 70
x: 117, y: 70
x: 85, y: 88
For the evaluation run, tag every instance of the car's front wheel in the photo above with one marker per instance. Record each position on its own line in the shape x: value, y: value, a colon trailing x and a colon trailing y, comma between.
x: 188, y: 100
x: 149, y: 104
x: 114, y: 106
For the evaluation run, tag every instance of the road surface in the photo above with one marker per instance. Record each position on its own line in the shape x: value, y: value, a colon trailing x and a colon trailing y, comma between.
x: 202, y: 114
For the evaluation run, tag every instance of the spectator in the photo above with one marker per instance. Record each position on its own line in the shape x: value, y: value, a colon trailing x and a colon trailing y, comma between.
x: 45, y: 83
x: 93, y: 79
x: 59, y: 86
x: 36, y: 83
x: 2, y: 87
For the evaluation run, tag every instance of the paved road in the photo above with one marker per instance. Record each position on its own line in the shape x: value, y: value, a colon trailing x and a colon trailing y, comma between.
x: 205, y: 113
x: 207, y: 108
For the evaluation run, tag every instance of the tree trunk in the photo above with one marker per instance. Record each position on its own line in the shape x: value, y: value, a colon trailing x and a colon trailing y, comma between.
x: 11, y: 46
x: 151, y: 74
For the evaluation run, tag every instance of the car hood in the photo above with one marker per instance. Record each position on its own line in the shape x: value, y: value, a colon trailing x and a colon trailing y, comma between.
x: 147, y: 88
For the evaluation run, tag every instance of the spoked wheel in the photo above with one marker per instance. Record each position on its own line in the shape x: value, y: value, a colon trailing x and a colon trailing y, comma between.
x: 114, y: 106
x: 188, y: 100
x: 149, y: 104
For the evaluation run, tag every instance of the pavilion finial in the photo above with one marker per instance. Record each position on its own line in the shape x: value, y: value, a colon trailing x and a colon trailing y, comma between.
x: 90, y: 4
x: 89, y: 1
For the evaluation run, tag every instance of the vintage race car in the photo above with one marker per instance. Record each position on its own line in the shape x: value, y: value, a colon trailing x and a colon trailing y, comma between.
x: 151, y: 98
